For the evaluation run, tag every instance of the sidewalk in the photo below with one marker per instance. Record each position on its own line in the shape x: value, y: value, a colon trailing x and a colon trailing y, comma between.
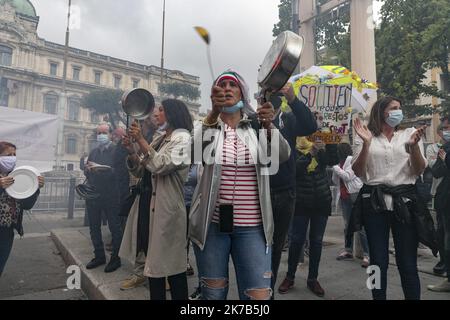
x: 342, y: 280
x: 35, y: 269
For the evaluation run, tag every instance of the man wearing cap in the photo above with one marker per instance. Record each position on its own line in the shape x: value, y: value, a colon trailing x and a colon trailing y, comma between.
x: 105, y: 182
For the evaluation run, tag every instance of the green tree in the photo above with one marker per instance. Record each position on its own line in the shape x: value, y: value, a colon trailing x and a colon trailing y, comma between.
x: 412, y: 38
x: 106, y: 101
x: 285, y: 16
x: 332, y: 32
x: 179, y: 89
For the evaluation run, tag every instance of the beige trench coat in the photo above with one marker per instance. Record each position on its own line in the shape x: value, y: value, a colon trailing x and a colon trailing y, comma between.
x: 167, y: 254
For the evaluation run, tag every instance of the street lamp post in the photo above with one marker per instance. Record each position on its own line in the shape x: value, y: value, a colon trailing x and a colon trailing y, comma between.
x: 162, y: 42
x: 63, y: 100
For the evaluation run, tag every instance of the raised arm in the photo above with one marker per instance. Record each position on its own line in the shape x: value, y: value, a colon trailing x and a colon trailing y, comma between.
x: 362, y: 149
x: 417, y: 160
x: 305, y: 121
x: 172, y: 158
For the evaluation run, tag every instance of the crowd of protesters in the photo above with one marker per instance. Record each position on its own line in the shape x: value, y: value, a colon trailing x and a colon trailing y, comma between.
x: 224, y: 203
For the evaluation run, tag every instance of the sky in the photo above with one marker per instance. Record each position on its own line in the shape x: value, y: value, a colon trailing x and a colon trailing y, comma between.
x: 241, y: 33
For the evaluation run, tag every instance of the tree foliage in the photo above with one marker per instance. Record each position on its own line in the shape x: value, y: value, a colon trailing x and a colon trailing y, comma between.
x: 106, y: 101
x: 332, y: 34
x: 413, y: 37
x: 285, y: 16
x: 179, y: 89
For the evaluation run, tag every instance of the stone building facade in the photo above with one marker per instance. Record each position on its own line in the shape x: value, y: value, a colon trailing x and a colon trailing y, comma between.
x: 31, y: 72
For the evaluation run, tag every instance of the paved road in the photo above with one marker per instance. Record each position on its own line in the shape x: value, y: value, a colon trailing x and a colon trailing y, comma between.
x: 35, y: 269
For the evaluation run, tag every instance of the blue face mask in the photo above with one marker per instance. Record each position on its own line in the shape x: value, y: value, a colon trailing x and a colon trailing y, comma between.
x: 238, y: 106
x: 395, y: 118
x: 103, y: 139
x: 446, y: 135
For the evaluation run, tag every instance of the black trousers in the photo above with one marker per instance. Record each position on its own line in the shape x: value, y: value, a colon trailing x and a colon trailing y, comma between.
x: 445, y: 234
x: 440, y: 234
x: 283, y: 207
x: 6, y: 243
x: 178, y: 287
x: 111, y: 209
x: 143, y: 226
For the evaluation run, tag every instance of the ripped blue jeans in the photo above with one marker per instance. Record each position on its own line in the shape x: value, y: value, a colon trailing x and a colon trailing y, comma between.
x: 251, y: 259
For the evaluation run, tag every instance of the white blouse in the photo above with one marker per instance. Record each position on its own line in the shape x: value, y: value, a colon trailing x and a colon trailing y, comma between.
x: 388, y: 162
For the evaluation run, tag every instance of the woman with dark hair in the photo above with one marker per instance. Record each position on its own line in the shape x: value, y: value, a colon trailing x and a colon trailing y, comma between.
x: 348, y: 188
x: 134, y: 244
x: 388, y: 161
x: 168, y: 161
x: 11, y: 210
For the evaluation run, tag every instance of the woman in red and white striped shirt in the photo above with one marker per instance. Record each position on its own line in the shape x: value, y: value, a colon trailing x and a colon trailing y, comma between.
x: 238, y: 202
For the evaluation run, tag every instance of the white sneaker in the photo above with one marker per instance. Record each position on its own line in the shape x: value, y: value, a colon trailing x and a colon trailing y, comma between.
x: 196, y: 295
x: 442, y: 287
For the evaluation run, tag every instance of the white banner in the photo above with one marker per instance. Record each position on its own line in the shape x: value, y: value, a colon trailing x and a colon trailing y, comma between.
x: 34, y: 134
x: 330, y: 105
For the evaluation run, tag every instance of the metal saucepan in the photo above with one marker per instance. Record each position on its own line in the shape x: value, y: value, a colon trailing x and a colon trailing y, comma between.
x: 280, y: 63
x: 138, y: 103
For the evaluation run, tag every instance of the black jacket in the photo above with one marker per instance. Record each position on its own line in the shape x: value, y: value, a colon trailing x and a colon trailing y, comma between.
x: 298, y: 123
x: 25, y: 204
x: 413, y: 212
x: 106, y: 182
x: 121, y: 171
x: 441, y: 169
x: 313, y: 189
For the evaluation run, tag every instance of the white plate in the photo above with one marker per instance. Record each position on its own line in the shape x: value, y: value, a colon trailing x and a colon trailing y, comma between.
x: 100, y: 167
x: 26, y: 182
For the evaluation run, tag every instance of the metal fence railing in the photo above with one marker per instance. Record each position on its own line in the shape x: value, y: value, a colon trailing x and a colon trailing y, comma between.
x: 58, y: 194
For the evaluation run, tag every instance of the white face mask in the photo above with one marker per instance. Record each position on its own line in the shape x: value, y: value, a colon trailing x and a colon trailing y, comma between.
x: 7, y: 163
x: 446, y: 135
x: 163, y: 127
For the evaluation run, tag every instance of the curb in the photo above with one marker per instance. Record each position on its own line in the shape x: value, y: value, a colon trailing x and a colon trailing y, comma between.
x: 88, y: 284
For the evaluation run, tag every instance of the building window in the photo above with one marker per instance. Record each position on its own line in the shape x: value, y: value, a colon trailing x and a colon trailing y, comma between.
x: 136, y: 83
x: 95, y: 118
x: 71, y: 145
x: 98, y: 76
x: 445, y: 86
x: 117, y: 80
x: 50, y: 103
x: 92, y: 144
x: 53, y: 68
x: 76, y: 73
x: 74, y: 109
x: 70, y: 167
x: 4, y: 92
x: 5, y: 56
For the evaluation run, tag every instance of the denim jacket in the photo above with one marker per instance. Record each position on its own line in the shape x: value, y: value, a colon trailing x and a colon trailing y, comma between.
x: 207, y: 190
